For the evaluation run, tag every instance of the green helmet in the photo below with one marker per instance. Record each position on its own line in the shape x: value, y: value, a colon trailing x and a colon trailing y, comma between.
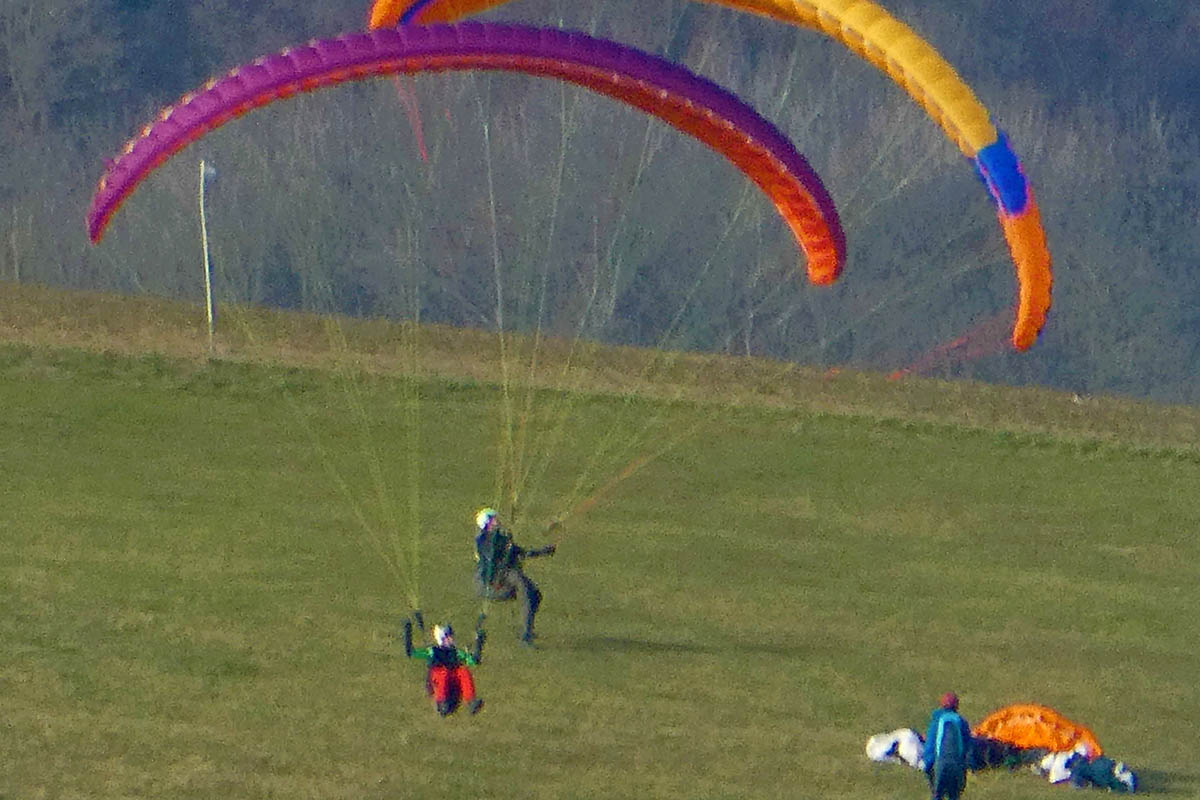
x: 485, y: 516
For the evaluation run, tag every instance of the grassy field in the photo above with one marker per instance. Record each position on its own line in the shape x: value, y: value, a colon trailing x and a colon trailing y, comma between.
x: 205, y: 562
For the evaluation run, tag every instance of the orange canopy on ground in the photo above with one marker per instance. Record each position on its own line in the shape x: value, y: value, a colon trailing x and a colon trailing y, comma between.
x: 1029, y: 725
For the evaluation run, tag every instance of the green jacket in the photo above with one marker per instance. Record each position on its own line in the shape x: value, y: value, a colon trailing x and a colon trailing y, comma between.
x: 495, y: 551
x: 436, y: 656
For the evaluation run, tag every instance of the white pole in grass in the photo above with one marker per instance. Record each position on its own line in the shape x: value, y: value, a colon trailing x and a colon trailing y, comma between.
x: 207, y: 172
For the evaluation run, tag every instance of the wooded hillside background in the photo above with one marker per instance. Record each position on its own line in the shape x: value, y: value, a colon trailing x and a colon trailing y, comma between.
x: 594, y: 220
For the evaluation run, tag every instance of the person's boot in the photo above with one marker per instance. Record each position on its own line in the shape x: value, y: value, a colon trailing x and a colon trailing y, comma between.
x: 475, y: 705
x: 444, y: 707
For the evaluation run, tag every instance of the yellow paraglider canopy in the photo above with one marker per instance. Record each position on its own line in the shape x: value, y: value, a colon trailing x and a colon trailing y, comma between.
x: 866, y: 28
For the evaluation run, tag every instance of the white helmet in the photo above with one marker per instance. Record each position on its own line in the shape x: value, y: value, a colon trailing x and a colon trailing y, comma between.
x: 441, y: 633
x: 485, y: 516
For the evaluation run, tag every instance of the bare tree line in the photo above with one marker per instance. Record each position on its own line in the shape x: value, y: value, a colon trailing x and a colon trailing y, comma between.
x: 543, y: 207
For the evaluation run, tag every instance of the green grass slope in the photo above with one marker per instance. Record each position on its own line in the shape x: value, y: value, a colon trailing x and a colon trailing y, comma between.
x: 204, y: 563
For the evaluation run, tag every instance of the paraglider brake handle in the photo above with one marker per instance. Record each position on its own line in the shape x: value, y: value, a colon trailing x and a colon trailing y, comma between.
x: 406, y: 637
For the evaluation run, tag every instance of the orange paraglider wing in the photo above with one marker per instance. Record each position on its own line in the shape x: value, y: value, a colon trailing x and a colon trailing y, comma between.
x: 1033, y: 726
x: 868, y: 30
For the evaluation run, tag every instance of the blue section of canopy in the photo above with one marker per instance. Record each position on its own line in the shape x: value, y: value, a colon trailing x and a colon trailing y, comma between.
x: 1000, y: 171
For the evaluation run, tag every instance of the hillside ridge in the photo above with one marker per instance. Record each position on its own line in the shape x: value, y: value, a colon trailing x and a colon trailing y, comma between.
x: 53, y: 318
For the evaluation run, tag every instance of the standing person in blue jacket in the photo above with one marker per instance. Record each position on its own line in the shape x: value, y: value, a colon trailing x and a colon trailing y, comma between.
x: 947, y: 750
x: 498, y: 572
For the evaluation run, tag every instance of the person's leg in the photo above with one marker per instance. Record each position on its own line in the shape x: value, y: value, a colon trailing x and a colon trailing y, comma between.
x: 439, y: 686
x: 531, y: 600
x: 466, y: 683
x: 948, y: 781
x: 958, y: 782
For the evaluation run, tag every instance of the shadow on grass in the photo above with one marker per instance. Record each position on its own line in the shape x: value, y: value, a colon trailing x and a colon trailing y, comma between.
x: 624, y: 644
x: 1158, y: 781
